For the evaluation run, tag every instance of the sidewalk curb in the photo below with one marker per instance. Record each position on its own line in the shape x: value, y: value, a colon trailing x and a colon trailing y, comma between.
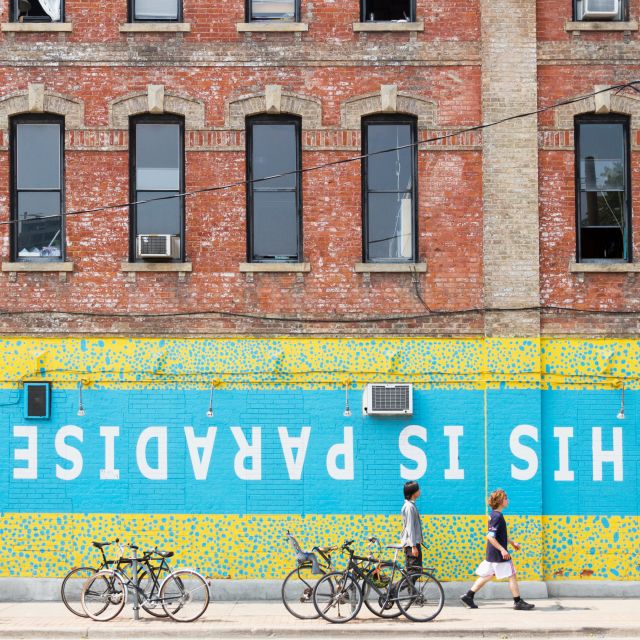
x: 346, y: 630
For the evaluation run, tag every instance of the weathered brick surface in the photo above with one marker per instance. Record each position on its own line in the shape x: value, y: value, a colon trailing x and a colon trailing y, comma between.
x: 482, y: 215
x: 320, y: 73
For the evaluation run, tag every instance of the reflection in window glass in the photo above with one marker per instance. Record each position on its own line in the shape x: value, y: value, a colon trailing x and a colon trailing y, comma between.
x: 158, y: 173
x: 156, y: 9
x: 274, y: 205
x: 387, y: 10
x: 602, y: 191
x: 38, y: 191
x: 390, y: 191
x: 38, y: 10
x: 273, y: 10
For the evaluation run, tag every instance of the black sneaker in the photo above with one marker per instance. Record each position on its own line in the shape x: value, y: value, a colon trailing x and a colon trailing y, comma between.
x: 468, y: 600
x: 521, y: 605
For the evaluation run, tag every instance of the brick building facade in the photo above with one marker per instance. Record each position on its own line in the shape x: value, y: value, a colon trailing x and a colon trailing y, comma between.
x: 505, y: 335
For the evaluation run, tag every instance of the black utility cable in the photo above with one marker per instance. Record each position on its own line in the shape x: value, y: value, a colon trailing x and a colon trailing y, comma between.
x: 333, y: 163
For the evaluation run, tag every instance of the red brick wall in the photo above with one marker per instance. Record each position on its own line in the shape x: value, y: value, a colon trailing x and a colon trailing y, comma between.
x: 450, y: 180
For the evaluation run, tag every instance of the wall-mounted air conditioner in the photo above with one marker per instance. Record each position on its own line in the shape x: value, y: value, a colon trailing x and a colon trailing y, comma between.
x: 599, y: 9
x: 387, y: 400
x: 158, y: 246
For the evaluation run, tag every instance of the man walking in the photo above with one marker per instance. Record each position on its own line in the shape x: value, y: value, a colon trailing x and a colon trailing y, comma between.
x: 411, y: 539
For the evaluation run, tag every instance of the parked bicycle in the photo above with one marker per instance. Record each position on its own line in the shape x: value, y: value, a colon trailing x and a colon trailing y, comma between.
x: 338, y: 596
x: 182, y: 594
x: 297, y: 587
x: 72, y: 583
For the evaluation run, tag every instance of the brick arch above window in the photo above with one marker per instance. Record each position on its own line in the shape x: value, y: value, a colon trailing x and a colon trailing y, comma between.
x: 388, y: 100
x: 156, y: 100
x: 602, y: 103
x: 36, y: 99
x: 274, y: 101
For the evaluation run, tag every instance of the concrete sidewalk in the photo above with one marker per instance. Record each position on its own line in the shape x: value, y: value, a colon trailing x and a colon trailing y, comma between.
x: 552, y: 618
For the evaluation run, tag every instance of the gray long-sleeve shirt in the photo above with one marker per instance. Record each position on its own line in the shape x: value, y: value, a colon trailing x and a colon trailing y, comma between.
x: 412, y: 531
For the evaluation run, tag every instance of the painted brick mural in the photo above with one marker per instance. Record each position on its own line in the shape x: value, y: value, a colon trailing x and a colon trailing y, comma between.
x: 145, y: 461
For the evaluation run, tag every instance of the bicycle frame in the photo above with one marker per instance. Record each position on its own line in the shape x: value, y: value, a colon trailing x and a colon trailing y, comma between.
x: 361, y: 574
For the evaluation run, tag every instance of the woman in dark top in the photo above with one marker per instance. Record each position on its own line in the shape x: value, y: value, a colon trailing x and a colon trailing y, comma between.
x: 498, y: 563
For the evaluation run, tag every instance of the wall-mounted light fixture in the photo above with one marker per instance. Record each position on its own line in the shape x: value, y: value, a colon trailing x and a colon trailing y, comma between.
x: 620, y: 415
x: 347, y: 410
x: 80, y: 405
x: 210, y: 409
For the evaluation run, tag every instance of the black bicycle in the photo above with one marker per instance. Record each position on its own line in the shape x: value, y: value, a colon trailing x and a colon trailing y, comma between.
x: 183, y: 594
x: 297, y: 587
x: 338, y: 596
x: 71, y: 587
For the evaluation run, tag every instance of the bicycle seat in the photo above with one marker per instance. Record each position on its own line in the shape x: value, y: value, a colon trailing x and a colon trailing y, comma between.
x: 163, y: 554
x: 323, y: 549
x: 394, y: 546
x: 100, y: 545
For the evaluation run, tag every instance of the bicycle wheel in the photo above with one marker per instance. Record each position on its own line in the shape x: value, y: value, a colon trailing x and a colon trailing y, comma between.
x: 337, y: 597
x: 297, y: 592
x: 72, y: 588
x: 379, y: 593
x: 103, y: 596
x: 184, y: 595
x: 149, y: 582
x: 420, y: 596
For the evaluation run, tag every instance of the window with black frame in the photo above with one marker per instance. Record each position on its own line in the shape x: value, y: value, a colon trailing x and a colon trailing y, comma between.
x: 266, y: 10
x: 157, y: 176
x: 389, y: 189
x: 155, y: 10
x: 387, y: 11
x: 603, y: 189
x: 274, y: 206
x: 600, y: 9
x: 37, y: 10
x: 37, y: 153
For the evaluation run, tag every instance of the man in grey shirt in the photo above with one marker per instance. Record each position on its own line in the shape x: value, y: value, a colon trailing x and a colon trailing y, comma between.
x: 411, y: 539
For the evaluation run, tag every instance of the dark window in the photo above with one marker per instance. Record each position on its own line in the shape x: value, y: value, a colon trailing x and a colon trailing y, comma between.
x: 287, y: 10
x: 157, y: 171
x: 600, y: 9
x: 603, y: 189
x: 389, y: 189
x: 274, y: 206
x: 37, y: 188
x: 155, y: 10
x: 37, y: 11
x: 386, y: 10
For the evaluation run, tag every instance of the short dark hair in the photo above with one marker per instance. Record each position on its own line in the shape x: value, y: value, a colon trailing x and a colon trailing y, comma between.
x: 410, y: 488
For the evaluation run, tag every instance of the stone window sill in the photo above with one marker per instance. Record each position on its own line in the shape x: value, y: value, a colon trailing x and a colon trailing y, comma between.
x: 156, y: 267
x: 133, y: 268
x: 390, y: 267
x: 61, y: 268
x: 603, y: 267
x: 275, y: 267
x: 36, y: 27
x: 388, y: 26
x: 604, y: 25
x: 155, y: 27
x: 271, y: 27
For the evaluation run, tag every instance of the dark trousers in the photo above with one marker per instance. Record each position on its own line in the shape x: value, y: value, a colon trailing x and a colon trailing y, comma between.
x: 413, y: 563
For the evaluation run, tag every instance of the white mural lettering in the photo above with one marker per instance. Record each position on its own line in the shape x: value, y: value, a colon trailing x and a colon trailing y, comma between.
x: 67, y: 452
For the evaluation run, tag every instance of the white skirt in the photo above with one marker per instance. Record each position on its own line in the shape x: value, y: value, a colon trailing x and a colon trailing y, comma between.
x: 500, y: 570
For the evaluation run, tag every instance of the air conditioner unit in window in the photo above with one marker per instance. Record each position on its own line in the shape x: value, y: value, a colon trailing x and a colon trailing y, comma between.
x: 387, y: 400
x: 158, y: 246
x: 599, y: 9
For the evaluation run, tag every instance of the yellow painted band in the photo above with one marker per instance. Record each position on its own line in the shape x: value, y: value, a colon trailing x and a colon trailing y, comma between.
x: 320, y: 363
x: 254, y: 546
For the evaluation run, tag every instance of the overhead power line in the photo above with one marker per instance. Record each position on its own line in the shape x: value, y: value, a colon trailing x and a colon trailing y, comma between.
x: 332, y: 163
